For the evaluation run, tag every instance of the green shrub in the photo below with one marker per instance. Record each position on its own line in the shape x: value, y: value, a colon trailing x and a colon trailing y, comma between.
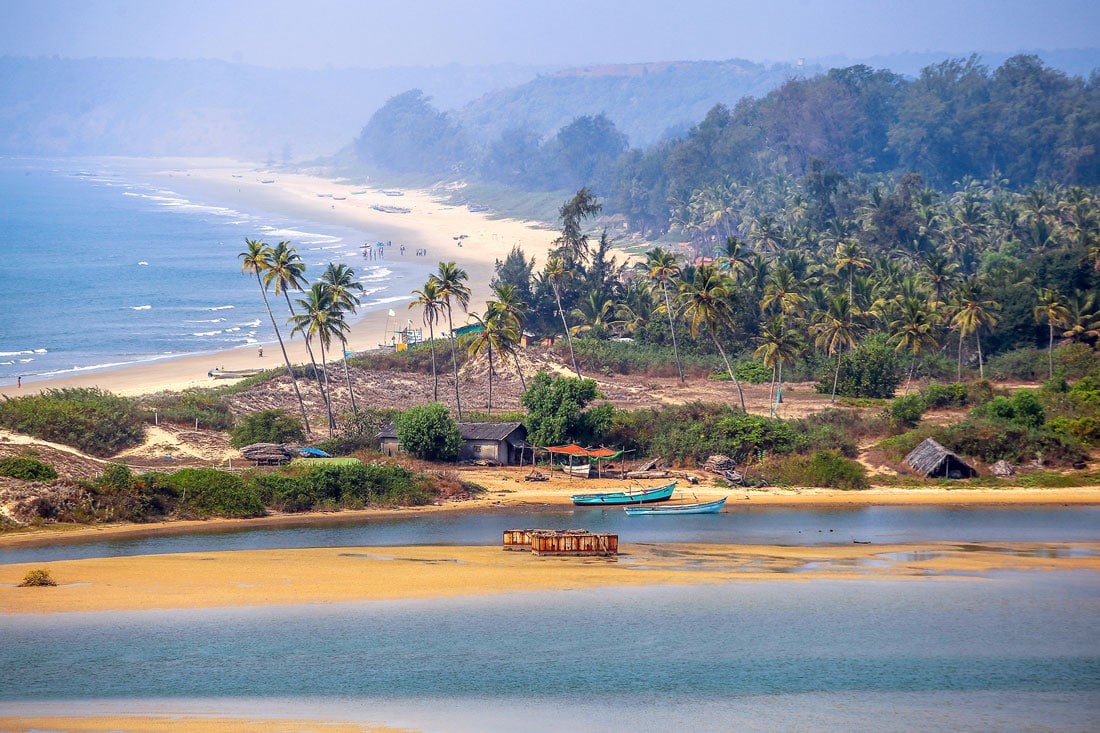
x: 429, y: 432
x: 1022, y: 408
x: 266, y: 426
x: 205, y: 406
x: 907, y: 409
x: 752, y: 372
x: 37, y: 579
x: 870, y: 370
x: 208, y: 492
x: 26, y: 469
x: 94, y: 421
x: 992, y: 440
x: 824, y: 469
x: 556, y: 411
x: 1084, y: 429
x: 937, y: 396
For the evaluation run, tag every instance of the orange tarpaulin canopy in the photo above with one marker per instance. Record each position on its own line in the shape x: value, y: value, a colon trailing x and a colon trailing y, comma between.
x: 570, y: 450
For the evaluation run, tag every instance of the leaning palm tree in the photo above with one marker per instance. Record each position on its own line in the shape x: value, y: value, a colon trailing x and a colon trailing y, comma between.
x: 320, y: 320
x: 287, y: 272
x: 1052, y: 309
x: 662, y: 269
x: 704, y: 300
x: 255, y: 261
x: 497, y: 332
x: 556, y: 272
x: 450, y: 285
x: 514, y: 309
x: 972, y: 314
x: 431, y: 307
x: 344, y: 292
x: 833, y: 331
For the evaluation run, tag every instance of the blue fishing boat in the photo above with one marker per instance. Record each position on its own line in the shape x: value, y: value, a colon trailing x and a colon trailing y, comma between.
x: 706, y: 507
x: 636, y: 496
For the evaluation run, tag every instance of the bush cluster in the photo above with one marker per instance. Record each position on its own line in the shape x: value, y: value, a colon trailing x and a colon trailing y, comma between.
x: 266, y: 426
x: 823, y: 469
x: 205, y: 406
x: 95, y: 421
x: 26, y: 469
x: 429, y: 433
x: 37, y: 579
x: 870, y: 370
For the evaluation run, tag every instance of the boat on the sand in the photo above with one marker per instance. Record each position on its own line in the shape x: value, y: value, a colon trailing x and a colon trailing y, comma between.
x: 635, y: 496
x: 233, y: 373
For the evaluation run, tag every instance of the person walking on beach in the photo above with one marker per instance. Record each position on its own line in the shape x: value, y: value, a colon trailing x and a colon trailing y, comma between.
x: 261, y: 353
x: 19, y: 381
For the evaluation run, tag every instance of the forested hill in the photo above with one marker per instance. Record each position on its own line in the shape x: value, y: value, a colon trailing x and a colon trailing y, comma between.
x: 645, y: 101
x: 142, y: 107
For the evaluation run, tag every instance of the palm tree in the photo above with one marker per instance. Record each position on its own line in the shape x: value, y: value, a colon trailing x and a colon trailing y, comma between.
x: 596, y: 313
x: 971, y: 315
x: 1053, y: 310
x: 833, y: 331
x: 1083, y: 324
x: 254, y: 261
x: 663, y: 268
x: 914, y: 331
x: 497, y: 332
x: 556, y: 272
x: 287, y: 272
x: 431, y: 309
x: 849, y: 256
x: 704, y: 300
x: 450, y: 285
x: 778, y: 344
x: 344, y: 292
x: 514, y: 309
x: 321, y: 320
x: 783, y: 290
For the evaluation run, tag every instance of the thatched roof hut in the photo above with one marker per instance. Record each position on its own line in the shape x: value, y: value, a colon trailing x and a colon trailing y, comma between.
x: 932, y: 460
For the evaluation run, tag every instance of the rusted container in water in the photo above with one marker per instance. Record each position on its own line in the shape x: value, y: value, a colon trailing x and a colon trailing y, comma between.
x: 572, y: 542
x: 520, y: 539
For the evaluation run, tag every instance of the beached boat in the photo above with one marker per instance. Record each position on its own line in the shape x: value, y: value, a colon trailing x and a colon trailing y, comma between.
x: 580, y: 469
x: 636, y: 496
x: 706, y: 507
x: 233, y: 373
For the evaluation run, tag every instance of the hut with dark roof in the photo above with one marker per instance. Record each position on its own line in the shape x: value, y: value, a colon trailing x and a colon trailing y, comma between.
x: 932, y: 460
x: 498, y: 442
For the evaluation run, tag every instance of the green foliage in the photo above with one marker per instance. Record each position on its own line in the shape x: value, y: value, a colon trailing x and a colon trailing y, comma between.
x: 325, y: 486
x: 266, y: 426
x: 824, y: 469
x: 556, y: 411
x: 752, y: 372
x: 871, y: 370
x: 26, y: 469
x: 203, y: 405
x: 90, y: 419
x: 358, y: 431
x: 639, y: 358
x: 993, y: 440
x: 937, y: 396
x: 39, y: 578
x: 907, y: 409
x: 693, y: 432
x: 1023, y: 408
x: 429, y: 432
x: 208, y: 492
x: 1084, y: 429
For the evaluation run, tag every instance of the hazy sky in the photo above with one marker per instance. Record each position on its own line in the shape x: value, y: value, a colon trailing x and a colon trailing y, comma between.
x: 344, y: 33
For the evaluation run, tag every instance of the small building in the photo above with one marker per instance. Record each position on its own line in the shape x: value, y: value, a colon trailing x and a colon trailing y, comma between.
x: 932, y: 460
x: 501, y: 442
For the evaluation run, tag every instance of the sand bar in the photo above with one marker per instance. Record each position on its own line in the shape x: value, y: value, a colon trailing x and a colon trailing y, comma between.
x: 344, y: 574
x: 429, y: 224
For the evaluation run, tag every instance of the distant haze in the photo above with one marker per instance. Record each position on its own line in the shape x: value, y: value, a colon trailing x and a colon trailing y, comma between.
x: 352, y: 33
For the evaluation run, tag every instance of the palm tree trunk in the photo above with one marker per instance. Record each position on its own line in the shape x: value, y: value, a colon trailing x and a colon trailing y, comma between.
x: 489, y: 411
x: 328, y: 402
x: 522, y: 381
x: 347, y: 376
x: 454, y: 361
x: 978, y: 341
x: 729, y: 369
x: 565, y: 325
x: 909, y: 379
x: 771, y: 385
x: 836, y: 375
x: 672, y: 329
x: 1050, y: 351
x: 779, y: 389
x: 286, y: 359
x: 959, y: 371
x: 435, y: 375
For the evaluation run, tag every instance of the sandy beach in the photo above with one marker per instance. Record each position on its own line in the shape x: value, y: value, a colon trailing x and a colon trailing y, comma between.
x: 429, y: 224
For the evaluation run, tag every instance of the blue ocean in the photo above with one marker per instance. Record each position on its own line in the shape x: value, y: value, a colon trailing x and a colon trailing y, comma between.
x: 106, y: 267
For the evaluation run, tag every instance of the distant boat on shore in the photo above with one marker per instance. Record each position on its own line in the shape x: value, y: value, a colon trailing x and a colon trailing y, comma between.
x: 268, y: 180
x: 233, y: 373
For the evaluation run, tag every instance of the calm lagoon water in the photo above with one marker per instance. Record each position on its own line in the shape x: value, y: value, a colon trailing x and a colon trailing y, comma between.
x: 739, y: 524
x: 1015, y: 651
